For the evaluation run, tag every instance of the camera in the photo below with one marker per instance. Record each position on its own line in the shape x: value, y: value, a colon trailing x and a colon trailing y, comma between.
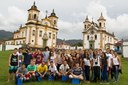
x: 96, y: 62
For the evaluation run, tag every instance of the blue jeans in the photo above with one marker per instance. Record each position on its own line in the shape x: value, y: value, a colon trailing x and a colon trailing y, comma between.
x: 104, y: 73
x: 116, y: 72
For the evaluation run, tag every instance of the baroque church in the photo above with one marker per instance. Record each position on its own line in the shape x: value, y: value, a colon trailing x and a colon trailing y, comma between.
x: 36, y: 33
x: 95, y: 35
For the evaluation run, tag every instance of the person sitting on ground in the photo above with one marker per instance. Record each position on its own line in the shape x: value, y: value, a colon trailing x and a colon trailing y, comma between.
x: 21, y: 72
x: 64, y: 69
x: 31, y: 70
x: 52, y: 71
x: 13, y: 64
x: 42, y: 70
x: 76, y: 72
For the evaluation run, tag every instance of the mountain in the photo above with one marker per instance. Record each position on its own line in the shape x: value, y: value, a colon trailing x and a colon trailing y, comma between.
x: 71, y: 42
x: 5, y: 35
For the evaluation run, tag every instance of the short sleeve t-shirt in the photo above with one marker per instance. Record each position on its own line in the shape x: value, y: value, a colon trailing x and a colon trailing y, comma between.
x: 87, y: 62
x: 31, y: 68
x: 23, y: 71
x: 64, y: 68
x: 46, y: 56
x: 53, y: 69
x: 77, y: 71
x: 39, y: 58
x: 41, y: 68
x: 109, y: 59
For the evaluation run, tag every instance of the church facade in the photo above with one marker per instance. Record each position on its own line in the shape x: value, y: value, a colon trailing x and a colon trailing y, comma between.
x: 95, y: 35
x: 36, y: 33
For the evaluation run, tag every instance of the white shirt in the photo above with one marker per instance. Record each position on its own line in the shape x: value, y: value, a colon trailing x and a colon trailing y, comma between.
x: 115, y: 61
x: 53, y: 69
x: 87, y: 62
x: 64, y: 68
x: 52, y: 58
x: 96, y: 60
x: 109, y: 59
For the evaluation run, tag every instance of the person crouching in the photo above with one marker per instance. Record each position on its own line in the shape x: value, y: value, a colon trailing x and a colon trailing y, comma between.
x: 42, y: 70
x: 76, y: 72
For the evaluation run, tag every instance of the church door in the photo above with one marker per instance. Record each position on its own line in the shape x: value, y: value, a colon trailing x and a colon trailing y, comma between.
x: 44, y: 43
x: 91, y: 44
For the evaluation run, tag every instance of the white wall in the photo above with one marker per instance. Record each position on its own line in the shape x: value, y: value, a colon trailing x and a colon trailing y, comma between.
x: 97, y: 42
x: 86, y: 42
x: 0, y: 47
x: 125, y: 49
x: 11, y: 47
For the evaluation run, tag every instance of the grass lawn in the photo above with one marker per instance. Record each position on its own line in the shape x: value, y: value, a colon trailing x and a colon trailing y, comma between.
x: 4, y: 70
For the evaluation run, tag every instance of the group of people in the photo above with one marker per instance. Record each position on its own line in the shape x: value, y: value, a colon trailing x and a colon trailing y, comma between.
x: 88, y: 65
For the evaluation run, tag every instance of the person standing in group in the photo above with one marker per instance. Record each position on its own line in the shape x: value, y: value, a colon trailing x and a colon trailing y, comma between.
x: 21, y: 57
x: 116, y: 65
x: 59, y: 59
x: 27, y: 57
x: 96, y: 66
x: 13, y: 64
x: 87, y: 66
x: 46, y: 54
x: 109, y: 55
x: 39, y: 57
x: 104, y: 67
x: 52, y: 57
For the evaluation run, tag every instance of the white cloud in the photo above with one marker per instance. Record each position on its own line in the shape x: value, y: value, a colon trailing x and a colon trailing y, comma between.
x: 70, y: 30
x: 71, y: 16
x: 13, y: 19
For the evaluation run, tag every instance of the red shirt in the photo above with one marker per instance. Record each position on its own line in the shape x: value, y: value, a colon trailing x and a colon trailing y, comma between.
x: 39, y: 58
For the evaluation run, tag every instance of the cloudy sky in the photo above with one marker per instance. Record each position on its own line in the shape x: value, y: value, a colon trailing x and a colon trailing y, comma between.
x: 71, y: 15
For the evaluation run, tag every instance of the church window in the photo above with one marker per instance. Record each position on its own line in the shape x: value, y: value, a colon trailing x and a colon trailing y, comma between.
x: 22, y: 34
x: 85, y: 26
x: 16, y: 42
x: 20, y: 42
x: 29, y: 16
x: 50, y: 35
x: 40, y: 34
x: 53, y: 36
x: 105, y: 37
x: 23, y: 41
x: 33, y: 33
x: 35, y: 16
x: 95, y: 37
x: 108, y: 39
x: 54, y: 22
x: 100, y: 24
x: 88, y: 37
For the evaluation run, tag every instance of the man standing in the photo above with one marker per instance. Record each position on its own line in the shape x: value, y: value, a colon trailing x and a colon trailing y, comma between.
x: 13, y: 64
